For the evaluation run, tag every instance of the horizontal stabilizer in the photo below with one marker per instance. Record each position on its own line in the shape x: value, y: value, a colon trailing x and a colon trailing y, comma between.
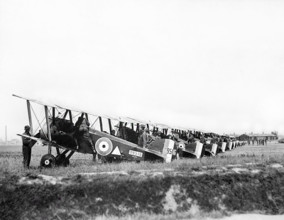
x: 45, y: 142
x: 31, y: 137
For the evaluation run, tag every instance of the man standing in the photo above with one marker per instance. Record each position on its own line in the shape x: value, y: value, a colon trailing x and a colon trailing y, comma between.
x: 147, y: 139
x: 142, y: 137
x: 27, y: 149
x: 84, y: 136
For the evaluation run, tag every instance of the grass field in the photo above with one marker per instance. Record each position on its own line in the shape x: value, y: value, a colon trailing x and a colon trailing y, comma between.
x: 248, y: 179
x: 11, y: 161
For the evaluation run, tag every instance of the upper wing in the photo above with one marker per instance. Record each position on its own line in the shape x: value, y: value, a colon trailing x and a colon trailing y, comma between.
x: 135, y: 121
x: 35, y: 101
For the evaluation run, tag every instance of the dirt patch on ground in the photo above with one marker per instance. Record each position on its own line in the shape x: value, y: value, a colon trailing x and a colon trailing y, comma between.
x: 225, y: 190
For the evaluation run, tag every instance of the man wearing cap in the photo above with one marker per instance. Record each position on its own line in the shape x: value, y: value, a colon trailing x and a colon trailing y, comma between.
x: 143, y: 137
x: 84, y: 135
x: 27, y: 149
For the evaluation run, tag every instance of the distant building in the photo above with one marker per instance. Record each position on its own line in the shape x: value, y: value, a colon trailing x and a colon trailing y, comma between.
x: 250, y: 137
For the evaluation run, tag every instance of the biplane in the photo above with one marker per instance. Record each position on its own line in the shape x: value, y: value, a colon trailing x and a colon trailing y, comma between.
x: 221, y: 148
x: 211, y: 144
x: 188, y: 146
x: 69, y: 130
x: 235, y: 142
x: 155, y: 132
x: 228, y: 141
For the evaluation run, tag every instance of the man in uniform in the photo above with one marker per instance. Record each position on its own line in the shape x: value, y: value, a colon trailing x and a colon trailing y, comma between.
x: 27, y: 149
x: 190, y: 137
x: 142, y: 137
x: 84, y: 136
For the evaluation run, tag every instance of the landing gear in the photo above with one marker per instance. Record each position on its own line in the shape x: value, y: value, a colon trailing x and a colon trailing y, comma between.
x: 48, y: 161
x: 62, y: 160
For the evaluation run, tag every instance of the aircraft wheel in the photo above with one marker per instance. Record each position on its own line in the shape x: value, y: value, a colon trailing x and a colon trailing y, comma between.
x: 47, y: 161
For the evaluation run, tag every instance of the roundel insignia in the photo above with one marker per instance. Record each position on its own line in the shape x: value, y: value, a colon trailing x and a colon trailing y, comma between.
x: 104, y: 146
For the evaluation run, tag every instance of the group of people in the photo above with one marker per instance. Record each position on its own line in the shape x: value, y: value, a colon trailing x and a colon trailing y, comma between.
x: 258, y: 141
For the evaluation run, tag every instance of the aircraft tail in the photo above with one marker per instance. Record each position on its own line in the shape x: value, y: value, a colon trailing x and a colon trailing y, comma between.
x: 198, y: 150
x: 214, y: 149
x: 168, y: 150
x: 230, y: 145
x: 223, y: 147
x: 162, y: 148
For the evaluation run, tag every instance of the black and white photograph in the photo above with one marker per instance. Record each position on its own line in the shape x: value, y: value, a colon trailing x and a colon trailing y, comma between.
x: 142, y: 109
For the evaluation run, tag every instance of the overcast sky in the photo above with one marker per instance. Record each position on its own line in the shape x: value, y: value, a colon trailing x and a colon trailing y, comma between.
x: 211, y: 65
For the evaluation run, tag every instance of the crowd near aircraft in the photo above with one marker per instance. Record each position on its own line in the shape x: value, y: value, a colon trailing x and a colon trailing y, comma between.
x: 112, y: 138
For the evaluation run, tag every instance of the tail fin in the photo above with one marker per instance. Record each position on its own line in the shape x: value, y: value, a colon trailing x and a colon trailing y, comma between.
x: 230, y: 145
x: 168, y: 150
x: 224, y: 147
x: 198, y: 150
x: 214, y: 149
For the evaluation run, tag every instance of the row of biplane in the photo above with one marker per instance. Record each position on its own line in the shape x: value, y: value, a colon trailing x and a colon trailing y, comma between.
x: 116, y: 138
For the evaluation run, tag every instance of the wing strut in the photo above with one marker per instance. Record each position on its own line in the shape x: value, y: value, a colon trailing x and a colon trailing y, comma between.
x: 48, y: 128
x: 70, y: 116
x: 101, y: 123
x: 110, y: 126
x: 30, y: 116
x: 53, y: 122
x: 87, y: 117
x: 65, y: 114
x: 94, y: 122
x: 53, y: 115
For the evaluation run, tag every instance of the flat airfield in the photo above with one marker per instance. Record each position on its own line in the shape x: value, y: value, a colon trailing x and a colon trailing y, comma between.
x: 248, y: 179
